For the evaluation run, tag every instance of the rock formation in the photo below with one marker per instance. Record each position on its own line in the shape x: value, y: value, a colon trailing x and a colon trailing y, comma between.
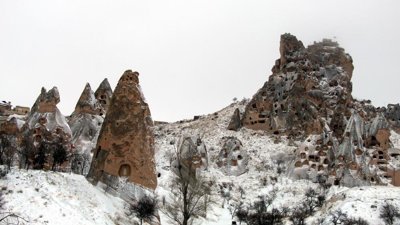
x: 46, y: 126
x: 308, y: 97
x: 12, y: 126
x: 85, y: 123
x: 306, y: 84
x: 236, y: 122
x: 87, y: 103
x: 392, y: 114
x: 193, y: 156
x: 45, y: 111
x: 125, y: 147
x: 103, y: 94
x: 232, y: 158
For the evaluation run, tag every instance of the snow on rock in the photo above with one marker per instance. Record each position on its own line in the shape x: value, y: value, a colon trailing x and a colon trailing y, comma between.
x: 364, y: 202
x: 85, y: 131
x: 45, y: 108
x: 59, y: 198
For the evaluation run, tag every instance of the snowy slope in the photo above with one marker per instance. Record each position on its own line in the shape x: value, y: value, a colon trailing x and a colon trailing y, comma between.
x: 264, y: 151
x: 59, y: 198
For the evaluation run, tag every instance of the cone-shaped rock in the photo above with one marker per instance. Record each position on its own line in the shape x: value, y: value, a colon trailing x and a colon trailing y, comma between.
x: 125, y: 146
x: 87, y: 103
x: 85, y: 123
x: 103, y: 94
x: 235, y: 123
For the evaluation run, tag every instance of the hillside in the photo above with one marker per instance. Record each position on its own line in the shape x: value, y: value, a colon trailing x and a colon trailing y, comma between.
x: 61, y: 198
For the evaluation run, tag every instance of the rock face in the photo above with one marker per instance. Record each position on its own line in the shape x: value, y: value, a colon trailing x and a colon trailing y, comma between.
x: 232, y: 159
x: 46, y: 126
x: 45, y: 111
x: 103, y: 94
x: 12, y: 126
x: 125, y: 147
x: 85, y: 123
x: 235, y: 123
x: 308, y: 98
x: 392, y: 114
x: 306, y: 84
x: 87, y: 103
x: 193, y: 156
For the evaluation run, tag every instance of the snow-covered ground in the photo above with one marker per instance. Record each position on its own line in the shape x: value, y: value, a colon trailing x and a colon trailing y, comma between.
x: 60, y: 198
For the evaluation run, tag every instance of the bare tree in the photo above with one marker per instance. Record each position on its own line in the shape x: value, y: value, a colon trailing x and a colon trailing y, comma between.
x: 389, y: 213
x: 59, y: 155
x: 8, y: 150
x: 9, y: 217
x: 298, y: 216
x: 233, y: 207
x: 145, y: 208
x: 189, y: 199
x: 26, y: 151
x: 191, y: 193
x: 261, y: 215
x: 242, y: 214
x: 355, y: 221
x: 338, y: 216
x: 313, y: 200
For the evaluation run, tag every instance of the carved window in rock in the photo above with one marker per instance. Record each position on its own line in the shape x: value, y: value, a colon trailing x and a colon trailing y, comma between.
x: 124, y: 170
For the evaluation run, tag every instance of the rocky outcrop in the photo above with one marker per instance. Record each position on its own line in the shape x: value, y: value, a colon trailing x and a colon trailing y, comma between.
x: 236, y: 122
x: 45, y: 111
x: 103, y: 94
x: 12, y: 126
x: 125, y: 147
x: 87, y: 103
x: 46, y: 128
x: 360, y: 157
x: 307, y: 84
x: 85, y: 123
x: 392, y: 114
x: 193, y: 156
x: 232, y: 159
x: 308, y: 96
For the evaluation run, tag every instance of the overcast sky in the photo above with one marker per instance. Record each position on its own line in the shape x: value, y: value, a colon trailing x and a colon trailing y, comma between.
x: 193, y: 57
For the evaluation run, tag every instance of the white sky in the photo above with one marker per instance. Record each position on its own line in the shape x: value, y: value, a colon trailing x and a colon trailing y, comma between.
x: 193, y: 57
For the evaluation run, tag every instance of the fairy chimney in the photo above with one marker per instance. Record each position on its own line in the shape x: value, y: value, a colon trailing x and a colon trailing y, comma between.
x: 103, y: 94
x: 87, y: 103
x: 125, y: 147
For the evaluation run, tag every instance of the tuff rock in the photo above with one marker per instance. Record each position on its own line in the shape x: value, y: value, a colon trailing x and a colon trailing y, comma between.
x: 235, y: 123
x: 85, y: 123
x: 103, y: 94
x: 87, y: 103
x: 232, y: 159
x: 192, y: 157
x: 125, y: 146
x: 306, y: 85
x: 308, y: 98
x: 45, y: 125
